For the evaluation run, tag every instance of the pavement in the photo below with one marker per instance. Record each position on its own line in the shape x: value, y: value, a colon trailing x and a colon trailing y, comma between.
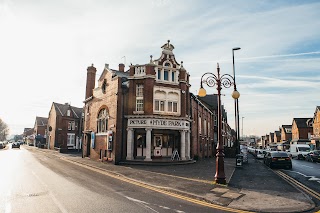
x: 252, y: 187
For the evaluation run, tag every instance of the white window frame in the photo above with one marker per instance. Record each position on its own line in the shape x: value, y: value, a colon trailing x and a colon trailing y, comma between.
x: 171, y: 105
x: 71, y: 139
x: 139, y: 98
x: 69, y: 112
x: 71, y: 125
x: 157, y: 105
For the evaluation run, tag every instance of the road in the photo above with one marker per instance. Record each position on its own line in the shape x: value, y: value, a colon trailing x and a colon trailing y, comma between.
x: 307, y: 173
x: 31, y: 181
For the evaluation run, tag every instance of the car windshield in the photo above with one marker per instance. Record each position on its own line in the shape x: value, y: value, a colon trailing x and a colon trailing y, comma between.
x: 304, y: 149
x: 279, y: 154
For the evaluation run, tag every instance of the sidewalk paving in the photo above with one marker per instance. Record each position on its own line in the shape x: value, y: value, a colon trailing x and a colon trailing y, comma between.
x: 253, y: 187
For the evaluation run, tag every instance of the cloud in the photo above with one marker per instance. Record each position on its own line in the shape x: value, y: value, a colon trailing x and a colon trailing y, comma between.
x: 48, y: 45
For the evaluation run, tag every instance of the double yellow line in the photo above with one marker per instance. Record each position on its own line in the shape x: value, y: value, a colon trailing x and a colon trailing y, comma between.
x: 156, y: 189
x: 298, y: 184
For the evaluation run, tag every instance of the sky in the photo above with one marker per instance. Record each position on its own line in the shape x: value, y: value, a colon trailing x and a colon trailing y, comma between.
x: 46, y: 47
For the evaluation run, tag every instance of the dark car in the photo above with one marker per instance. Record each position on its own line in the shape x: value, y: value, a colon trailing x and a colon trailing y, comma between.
x: 2, y: 146
x: 313, y: 156
x: 278, y: 159
x: 15, y: 145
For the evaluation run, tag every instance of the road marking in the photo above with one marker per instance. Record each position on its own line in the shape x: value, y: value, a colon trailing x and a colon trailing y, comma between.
x: 143, y: 203
x: 144, y: 185
x: 298, y: 184
x: 311, y: 167
x: 311, y: 177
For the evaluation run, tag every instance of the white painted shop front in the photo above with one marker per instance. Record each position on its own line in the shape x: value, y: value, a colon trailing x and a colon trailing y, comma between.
x: 151, y: 138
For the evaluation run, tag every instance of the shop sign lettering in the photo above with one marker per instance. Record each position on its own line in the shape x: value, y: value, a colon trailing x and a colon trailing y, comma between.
x: 140, y: 122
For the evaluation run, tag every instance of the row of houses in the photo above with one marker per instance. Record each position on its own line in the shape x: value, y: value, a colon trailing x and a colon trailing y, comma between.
x: 302, y: 130
x: 144, y: 113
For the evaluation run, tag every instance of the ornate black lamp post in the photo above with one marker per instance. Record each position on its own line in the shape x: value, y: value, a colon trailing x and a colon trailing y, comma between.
x: 225, y: 81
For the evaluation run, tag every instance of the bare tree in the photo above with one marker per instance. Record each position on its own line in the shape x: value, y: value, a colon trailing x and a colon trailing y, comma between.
x: 4, y: 130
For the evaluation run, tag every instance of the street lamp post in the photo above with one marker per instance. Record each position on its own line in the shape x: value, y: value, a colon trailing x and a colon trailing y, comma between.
x: 225, y: 81
x: 236, y: 106
x: 242, y: 127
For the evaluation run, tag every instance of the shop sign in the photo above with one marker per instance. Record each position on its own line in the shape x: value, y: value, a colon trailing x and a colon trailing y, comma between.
x: 162, y: 123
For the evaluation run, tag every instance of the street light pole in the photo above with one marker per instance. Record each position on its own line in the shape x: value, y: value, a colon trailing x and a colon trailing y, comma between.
x: 225, y: 81
x: 242, y: 127
x: 236, y: 106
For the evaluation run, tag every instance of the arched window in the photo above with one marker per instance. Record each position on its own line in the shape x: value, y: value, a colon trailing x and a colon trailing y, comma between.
x: 102, y: 121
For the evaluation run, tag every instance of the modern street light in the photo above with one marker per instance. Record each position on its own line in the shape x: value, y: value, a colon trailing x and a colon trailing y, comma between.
x: 236, y: 106
x: 225, y: 81
x: 242, y: 127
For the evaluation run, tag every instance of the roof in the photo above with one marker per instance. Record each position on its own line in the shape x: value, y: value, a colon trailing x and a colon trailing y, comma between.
x: 120, y: 73
x: 277, y: 133
x: 211, y: 101
x: 26, y: 129
x: 63, y: 108
x: 41, y: 121
x: 302, y: 122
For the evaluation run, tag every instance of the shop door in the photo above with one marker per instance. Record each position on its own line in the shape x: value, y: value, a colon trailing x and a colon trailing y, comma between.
x: 157, y: 144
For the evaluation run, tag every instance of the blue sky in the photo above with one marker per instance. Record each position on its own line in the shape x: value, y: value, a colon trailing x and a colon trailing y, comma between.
x: 46, y: 47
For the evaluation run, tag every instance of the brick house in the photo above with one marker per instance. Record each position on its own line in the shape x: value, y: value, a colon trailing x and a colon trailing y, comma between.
x: 301, y: 130
x: 28, y: 135
x: 315, y: 139
x: 64, y: 127
x: 286, y: 132
x: 39, y: 130
x: 104, y: 129
x: 276, y: 137
x: 285, y: 136
x: 204, y: 126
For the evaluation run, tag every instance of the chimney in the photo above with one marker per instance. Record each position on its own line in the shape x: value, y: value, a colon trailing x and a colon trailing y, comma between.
x: 121, y: 67
x: 91, y: 80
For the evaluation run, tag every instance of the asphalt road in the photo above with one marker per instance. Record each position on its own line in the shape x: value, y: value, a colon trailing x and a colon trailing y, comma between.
x: 307, y: 173
x: 31, y: 181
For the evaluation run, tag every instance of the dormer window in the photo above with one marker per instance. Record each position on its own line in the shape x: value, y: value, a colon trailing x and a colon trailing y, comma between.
x: 167, y: 73
x: 69, y: 113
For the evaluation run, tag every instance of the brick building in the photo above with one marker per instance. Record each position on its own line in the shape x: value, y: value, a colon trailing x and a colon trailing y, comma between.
x: 39, y: 130
x: 315, y: 139
x: 104, y: 130
x: 301, y: 130
x: 158, y: 109
x: 203, y: 127
x: 286, y: 132
x: 64, y: 127
x: 147, y: 114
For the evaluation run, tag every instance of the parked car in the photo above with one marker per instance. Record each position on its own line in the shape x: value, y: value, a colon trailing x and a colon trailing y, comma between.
x: 259, y: 154
x: 2, y: 145
x: 313, y: 156
x: 299, y: 150
x: 278, y: 159
x: 15, y: 145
